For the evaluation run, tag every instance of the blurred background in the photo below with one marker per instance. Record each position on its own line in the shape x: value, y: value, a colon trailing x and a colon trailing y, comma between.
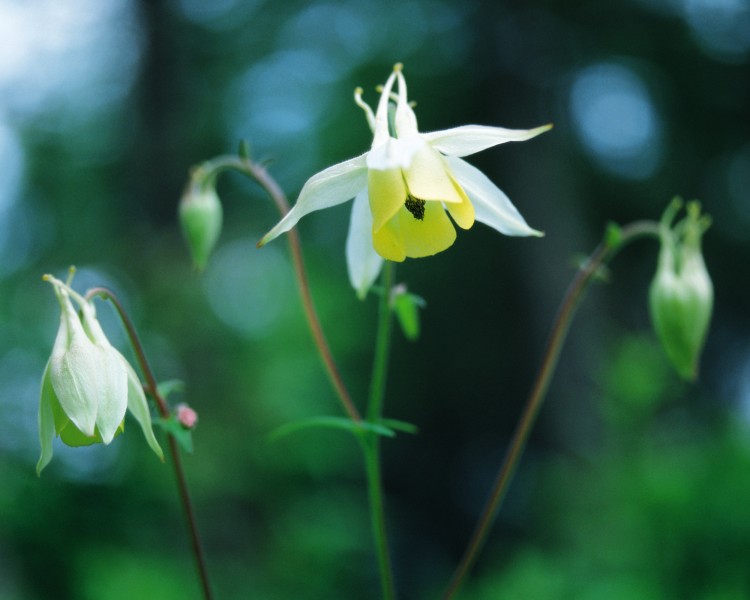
x: 634, y: 485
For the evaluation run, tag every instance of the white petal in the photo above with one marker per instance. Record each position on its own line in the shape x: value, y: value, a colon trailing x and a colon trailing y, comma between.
x: 363, y: 263
x: 91, y: 324
x: 138, y: 407
x: 113, y: 393
x: 394, y: 153
x: 113, y: 399
x: 381, y: 114
x: 491, y: 205
x: 405, y: 119
x: 46, y: 421
x: 330, y: 187
x: 74, y: 370
x: 470, y: 139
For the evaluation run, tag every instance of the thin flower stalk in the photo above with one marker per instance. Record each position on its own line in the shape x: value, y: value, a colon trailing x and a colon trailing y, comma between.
x: 561, y: 325
x: 152, y: 390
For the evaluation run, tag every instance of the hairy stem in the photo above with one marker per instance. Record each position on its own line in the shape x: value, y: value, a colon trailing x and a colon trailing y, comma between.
x: 572, y: 299
x: 152, y: 390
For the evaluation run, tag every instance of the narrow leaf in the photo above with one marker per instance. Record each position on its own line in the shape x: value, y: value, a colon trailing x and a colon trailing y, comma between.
x: 167, y: 388
x: 331, y: 423
x: 397, y: 425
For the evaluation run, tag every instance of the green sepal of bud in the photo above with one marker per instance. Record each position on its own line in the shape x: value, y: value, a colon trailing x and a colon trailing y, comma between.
x: 681, y: 293
x: 201, y: 218
x: 613, y: 236
x: 244, y: 150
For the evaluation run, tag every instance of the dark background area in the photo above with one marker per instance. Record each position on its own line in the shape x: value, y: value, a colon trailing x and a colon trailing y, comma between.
x: 634, y: 485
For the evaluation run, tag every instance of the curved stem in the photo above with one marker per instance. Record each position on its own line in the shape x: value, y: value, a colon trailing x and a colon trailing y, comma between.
x: 152, y: 390
x: 261, y: 176
x: 573, y: 296
x: 371, y: 443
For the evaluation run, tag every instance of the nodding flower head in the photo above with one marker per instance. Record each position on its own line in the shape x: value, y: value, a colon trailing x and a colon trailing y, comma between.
x: 87, y: 385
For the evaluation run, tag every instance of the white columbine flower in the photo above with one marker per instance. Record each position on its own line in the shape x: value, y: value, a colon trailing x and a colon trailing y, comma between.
x: 87, y: 385
x: 404, y: 185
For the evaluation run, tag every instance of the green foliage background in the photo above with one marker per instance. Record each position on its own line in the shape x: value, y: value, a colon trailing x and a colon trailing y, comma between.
x: 635, y: 485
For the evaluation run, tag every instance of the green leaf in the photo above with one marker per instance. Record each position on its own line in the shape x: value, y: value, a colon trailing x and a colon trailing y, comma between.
x: 613, y: 235
x: 183, y: 436
x: 343, y: 423
x: 167, y: 388
x: 397, y: 425
x: 406, y: 306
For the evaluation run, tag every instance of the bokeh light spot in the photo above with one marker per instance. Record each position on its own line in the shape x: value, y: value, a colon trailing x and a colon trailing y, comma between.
x: 721, y: 27
x: 616, y: 121
x: 247, y: 293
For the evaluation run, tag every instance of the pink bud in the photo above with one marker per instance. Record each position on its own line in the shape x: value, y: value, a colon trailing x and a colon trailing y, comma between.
x: 186, y: 416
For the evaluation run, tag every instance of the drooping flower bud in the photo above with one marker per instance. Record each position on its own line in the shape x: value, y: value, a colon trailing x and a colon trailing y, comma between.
x: 87, y: 385
x: 681, y: 294
x: 201, y: 218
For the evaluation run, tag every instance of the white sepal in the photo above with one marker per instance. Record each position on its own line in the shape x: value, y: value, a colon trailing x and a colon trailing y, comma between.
x: 46, y: 421
x: 470, y: 139
x: 113, y: 395
x: 363, y: 263
x: 138, y: 407
x: 330, y: 187
x: 492, y: 207
x: 74, y: 370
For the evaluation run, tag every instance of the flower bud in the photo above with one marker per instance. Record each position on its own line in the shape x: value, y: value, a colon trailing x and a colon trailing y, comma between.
x: 201, y: 218
x: 681, y: 294
x: 186, y: 416
x: 87, y: 385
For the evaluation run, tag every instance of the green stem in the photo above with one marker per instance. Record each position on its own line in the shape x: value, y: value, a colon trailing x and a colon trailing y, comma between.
x: 382, y: 347
x: 211, y: 168
x: 151, y: 389
x: 585, y: 274
x: 371, y: 450
x: 371, y: 442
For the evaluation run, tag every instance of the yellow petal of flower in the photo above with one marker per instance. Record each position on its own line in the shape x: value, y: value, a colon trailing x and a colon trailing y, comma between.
x: 404, y: 235
x: 387, y: 191
x: 429, y: 236
x: 463, y: 213
x: 388, y: 241
x: 427, y: 176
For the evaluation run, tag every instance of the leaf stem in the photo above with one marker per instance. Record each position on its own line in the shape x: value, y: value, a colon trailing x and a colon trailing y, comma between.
x: 151, y: 389
x: 570, y: 302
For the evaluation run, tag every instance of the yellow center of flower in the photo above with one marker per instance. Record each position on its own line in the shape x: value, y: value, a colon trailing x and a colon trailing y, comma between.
x: 410, y: 186
x: 409, y: 205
